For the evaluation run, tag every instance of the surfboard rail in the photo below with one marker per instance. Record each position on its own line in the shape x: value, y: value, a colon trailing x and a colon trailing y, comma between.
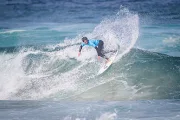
x: 108, y: 64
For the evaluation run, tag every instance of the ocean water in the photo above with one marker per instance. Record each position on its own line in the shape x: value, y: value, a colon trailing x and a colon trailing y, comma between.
x: 42, y: 78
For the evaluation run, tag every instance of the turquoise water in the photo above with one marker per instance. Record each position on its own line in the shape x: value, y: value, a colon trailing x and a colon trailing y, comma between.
x: 41, y: 72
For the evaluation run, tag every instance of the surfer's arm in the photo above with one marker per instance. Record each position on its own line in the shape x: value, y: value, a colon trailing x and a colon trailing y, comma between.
x: 80, y: 48
x: 98, y: 52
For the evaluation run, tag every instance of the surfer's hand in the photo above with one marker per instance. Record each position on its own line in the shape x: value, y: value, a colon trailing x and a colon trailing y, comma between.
x: 79, y: 54
x: 99, y: 57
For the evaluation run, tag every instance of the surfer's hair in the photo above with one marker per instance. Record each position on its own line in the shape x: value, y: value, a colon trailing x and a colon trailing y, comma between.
x: 84, y: 38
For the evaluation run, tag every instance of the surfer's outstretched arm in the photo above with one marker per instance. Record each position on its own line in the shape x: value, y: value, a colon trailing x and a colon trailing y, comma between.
x: 80, y: 48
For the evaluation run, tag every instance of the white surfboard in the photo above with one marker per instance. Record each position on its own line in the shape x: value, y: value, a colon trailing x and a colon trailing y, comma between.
x: 108, y: 64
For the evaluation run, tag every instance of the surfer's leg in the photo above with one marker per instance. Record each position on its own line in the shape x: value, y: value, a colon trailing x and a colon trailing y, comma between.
x: 103, y: 56
x: 100, y: 48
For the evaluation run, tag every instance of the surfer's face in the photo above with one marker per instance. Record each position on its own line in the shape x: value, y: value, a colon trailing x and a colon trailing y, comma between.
x: 86, y: 41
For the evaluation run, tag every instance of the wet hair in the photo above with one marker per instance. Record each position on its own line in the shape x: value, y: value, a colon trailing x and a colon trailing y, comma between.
x: 84, y: 38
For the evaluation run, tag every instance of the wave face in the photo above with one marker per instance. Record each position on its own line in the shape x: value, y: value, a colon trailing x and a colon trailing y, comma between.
x: 39, y: 41
x: 139, y: 75
x: 55, y: 75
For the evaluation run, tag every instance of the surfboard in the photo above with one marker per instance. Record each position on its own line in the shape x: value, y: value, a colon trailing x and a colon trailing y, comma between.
x: 108, y: 64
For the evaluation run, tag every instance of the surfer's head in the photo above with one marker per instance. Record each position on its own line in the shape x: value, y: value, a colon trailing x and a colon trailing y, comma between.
x: 85, y: 40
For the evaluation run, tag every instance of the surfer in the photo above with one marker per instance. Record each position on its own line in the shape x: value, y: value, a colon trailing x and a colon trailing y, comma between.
x: 97, y: 44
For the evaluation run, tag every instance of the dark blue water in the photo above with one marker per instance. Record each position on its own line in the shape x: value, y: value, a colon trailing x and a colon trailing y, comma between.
x: 39, y: 42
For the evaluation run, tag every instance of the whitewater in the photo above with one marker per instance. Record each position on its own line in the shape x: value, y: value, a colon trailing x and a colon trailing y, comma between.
x: 31, y: 70
x: 42, y: 77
